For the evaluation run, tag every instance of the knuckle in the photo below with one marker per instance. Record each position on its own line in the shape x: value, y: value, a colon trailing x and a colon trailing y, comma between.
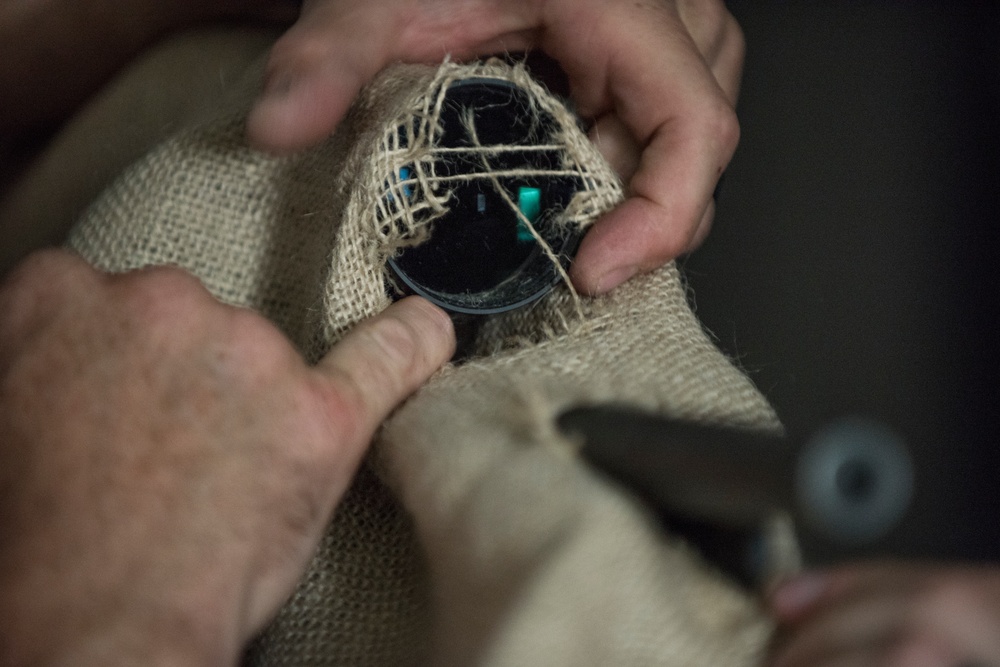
x: 252, y: 329
x: 722, y: 124
x: 41, y: 280
x: 165, y: 280
x: 161, y: 295
x: 41, y: 270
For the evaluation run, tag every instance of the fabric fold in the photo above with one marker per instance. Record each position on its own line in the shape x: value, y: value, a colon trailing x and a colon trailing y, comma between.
x: 474, y: 534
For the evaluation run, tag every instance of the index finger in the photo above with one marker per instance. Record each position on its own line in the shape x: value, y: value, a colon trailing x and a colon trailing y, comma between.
x: 317, y: 68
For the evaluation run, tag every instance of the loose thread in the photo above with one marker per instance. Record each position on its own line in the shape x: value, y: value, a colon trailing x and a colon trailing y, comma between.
x: 470, y: 127
x: 406, y: 215
x: 488, y: 149
x: 487, y: 174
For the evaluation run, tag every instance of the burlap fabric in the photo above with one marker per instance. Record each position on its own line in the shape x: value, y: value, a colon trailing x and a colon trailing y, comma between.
x: 180, y: 82
x: 474, y: 535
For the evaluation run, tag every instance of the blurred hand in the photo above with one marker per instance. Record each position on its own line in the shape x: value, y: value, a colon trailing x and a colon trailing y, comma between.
x: 889, y: 615
x: 168, y: 463
x: 657, y: 78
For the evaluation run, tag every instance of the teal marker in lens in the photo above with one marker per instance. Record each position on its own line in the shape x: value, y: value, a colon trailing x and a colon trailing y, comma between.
x: 529, y: 201
x: 404, y: 175
x: 485, y: 254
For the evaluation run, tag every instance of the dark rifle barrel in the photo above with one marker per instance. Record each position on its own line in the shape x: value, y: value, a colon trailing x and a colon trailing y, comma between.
x: 851, y: 482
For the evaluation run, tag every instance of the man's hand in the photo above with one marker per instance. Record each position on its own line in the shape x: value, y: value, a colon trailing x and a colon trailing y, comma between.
x: 657, y: 78
x: 889, y: 615
x: 168, y: 463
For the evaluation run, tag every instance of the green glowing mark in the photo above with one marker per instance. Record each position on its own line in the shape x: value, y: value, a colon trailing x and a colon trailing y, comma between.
x: 404, y: 175
x: 529, y: 201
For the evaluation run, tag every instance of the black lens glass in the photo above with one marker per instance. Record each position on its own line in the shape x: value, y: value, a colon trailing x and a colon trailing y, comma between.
x: 481, y: 256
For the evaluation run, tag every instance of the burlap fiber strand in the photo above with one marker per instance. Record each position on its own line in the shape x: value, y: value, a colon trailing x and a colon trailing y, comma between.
x: 474, y: 535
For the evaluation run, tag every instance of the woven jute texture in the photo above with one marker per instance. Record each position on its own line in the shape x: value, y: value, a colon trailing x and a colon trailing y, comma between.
x: 473, y: 535
x: 183, y: 80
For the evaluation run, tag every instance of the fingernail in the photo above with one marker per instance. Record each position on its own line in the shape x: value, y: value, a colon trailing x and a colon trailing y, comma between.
x: 795, y: 596
x: 614, y: 278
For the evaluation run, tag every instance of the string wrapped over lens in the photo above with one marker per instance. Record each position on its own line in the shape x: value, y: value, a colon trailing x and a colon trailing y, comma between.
x: 505, y: 239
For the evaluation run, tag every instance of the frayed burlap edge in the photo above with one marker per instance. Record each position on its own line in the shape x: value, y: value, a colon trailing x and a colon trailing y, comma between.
x: 397, y: 125
x: 473, y: 456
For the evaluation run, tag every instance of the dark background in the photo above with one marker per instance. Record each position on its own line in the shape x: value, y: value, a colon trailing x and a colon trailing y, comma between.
x: 851, y: 266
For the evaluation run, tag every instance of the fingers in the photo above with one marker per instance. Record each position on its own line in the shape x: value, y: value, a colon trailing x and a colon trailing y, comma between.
x: 318, y: 67
x: 801, y: 595
x: 316, y: 70
x: 379, y: 364
x: 792, y: 599
x: 643, y: 65
x: 852, y: 624
x: 719, y: 39
x: 807, y: 593
x: 887, y: 614
x: 660, y: 77
x: 880, y: 631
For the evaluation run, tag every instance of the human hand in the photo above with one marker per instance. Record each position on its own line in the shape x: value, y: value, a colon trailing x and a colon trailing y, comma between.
x: 168, y: 463
x: 889, y: 615
x: 658, y: 79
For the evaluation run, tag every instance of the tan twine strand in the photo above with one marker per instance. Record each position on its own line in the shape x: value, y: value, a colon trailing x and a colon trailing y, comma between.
x: 400, y: 227
x: 496, y: 148
x: 499, y: 173
x: 411, y: 140
x: 470, y: 127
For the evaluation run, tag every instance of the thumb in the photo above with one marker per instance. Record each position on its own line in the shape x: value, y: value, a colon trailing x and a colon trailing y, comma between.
x: 380, y: 363
x: 352, y: 390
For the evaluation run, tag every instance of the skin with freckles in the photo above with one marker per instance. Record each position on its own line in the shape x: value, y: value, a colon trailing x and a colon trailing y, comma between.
x: 657, y: 79
x: 888, y: 615
x: 168, y: 463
